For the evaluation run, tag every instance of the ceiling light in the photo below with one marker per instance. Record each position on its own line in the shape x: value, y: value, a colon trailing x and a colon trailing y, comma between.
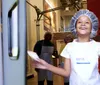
x: 67, y: 8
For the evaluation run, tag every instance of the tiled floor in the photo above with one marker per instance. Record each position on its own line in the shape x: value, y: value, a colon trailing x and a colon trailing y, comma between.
x: 58, y: 80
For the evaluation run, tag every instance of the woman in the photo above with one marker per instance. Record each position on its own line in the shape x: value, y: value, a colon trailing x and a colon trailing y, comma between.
x: 81, y: 55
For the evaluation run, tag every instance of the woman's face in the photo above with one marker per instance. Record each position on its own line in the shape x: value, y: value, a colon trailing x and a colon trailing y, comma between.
x: 83, y: 26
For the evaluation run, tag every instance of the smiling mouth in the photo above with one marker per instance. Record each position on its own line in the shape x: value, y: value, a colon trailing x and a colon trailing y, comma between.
x: 83, y: 28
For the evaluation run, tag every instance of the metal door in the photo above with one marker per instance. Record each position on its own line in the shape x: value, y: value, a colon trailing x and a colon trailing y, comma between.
x: 14, y: 42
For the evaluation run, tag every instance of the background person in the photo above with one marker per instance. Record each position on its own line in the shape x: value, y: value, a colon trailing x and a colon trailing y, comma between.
x: 45, y: 49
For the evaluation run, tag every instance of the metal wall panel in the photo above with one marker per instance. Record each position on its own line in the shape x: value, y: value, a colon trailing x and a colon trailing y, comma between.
x: 14, y: 69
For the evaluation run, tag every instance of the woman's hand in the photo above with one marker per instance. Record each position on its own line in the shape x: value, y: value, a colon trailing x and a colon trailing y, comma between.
x: 40, y: 64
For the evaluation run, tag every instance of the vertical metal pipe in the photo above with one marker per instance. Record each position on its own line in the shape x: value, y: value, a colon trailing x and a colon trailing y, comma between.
x: 38, y: 30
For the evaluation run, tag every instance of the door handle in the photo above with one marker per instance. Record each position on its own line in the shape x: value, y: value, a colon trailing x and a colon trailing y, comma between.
x: 13, y: 49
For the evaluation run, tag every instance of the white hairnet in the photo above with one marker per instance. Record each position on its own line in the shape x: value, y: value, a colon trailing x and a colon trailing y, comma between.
x: 91, y: 15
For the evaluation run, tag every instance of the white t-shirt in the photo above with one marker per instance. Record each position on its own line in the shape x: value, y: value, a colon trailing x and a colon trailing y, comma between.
x: 84, y: 62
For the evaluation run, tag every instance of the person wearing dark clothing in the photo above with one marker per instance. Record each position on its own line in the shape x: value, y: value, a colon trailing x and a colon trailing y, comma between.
x: 45, y: 49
